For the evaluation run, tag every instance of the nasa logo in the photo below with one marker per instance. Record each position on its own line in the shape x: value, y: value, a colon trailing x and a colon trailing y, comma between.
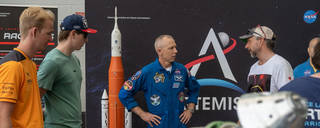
x: 307, y: 72
x: 177, y: 71
x: 310, y: 16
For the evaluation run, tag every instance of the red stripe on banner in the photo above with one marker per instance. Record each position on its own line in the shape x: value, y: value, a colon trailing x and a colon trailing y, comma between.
x: 16, y: 43
x: 50, y: 43
x: 3, y: 54
x: 10, y: 43
x: 203, y: 59
x: 230, y: 47
x: 38, y: 55
x: 210, y: 57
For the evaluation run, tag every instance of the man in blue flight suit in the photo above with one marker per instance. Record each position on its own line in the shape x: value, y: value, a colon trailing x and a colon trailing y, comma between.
x: 307, y: 68
x: 163, y: 83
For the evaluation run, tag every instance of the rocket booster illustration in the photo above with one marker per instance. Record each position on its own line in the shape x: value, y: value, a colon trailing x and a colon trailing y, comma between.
x: 128, y: 119
x: 116, y: 79
x: 104, y: 109
x: 116, y: 38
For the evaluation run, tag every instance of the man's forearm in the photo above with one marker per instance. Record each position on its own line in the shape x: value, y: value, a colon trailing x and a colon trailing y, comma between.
x: 137, y: 110
x: 6, y: 109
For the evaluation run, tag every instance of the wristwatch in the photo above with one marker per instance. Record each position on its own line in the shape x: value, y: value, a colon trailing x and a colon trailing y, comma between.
x: 191, y: 110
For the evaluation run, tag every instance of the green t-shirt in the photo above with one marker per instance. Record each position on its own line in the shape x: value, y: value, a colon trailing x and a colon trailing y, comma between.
x: 61, y: 76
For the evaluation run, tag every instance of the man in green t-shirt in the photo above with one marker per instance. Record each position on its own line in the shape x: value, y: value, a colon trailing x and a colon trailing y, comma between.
x: 59, y: 75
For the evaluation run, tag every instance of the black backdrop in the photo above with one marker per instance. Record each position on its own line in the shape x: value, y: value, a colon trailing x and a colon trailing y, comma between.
x: 190, y: 21
x: 10, y: 33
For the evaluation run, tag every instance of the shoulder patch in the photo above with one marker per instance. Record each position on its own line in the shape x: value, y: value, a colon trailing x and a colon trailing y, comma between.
x: 128, y: 85
x: 136, y: 75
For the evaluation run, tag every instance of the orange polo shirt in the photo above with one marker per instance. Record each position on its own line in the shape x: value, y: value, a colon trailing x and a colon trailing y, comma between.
x: 18, y: 85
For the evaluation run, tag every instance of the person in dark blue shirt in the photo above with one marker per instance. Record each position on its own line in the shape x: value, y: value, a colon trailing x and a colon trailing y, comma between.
x: 309, y: 87
x: 163, y: 82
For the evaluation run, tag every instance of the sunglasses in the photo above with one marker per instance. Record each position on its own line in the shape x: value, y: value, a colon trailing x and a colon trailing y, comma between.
x: 259, y: 27
x: 251, y: 31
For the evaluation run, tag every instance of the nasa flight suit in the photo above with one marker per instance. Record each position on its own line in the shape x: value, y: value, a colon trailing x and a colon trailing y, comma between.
x: 164, y: 92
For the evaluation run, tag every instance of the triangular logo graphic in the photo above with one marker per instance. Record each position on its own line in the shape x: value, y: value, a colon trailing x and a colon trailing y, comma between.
x: 212, y: 39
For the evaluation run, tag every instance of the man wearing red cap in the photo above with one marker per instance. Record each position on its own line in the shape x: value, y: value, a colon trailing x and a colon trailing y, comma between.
x: 271, y: 71
x: 59, y: 75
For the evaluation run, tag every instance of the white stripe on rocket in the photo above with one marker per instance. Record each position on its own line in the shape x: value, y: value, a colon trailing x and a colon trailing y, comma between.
x: 115, y: 38
x: 104, y: 109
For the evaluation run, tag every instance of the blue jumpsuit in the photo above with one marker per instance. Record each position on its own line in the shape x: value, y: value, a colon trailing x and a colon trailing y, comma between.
x: 164, y: 92
x: 304, y: 69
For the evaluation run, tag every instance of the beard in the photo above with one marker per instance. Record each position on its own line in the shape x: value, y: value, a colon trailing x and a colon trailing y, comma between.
x: 253, y: 54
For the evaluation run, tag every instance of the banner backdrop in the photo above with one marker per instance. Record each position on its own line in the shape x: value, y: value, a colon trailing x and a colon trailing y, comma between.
x: 10, y: 33
x: 206, y: 33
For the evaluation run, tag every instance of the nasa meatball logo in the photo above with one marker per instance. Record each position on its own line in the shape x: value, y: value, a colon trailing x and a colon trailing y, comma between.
x: 310, y: 16
x: 155, y: 100
x: 307, y: 72
x: 177, y: 72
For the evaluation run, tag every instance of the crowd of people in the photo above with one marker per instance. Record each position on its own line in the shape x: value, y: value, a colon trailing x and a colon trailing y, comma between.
x: 58, y: 79
x: 165, y: 82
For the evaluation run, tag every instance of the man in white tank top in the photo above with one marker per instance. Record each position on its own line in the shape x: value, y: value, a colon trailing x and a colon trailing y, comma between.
x: 271, y: 71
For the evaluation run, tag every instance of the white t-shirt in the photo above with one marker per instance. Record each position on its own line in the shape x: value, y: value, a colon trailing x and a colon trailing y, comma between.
x: 270, y: 76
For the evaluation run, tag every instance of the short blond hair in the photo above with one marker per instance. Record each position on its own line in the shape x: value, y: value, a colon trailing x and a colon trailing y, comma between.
x: 159, y: 39
x: 34, y: 17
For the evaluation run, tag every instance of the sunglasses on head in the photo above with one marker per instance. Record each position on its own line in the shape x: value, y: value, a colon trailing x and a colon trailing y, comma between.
x: 252, y: 31
x: 259, y: 27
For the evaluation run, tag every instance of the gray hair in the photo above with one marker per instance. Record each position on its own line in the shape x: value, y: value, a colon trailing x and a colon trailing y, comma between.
x: 158, y: 40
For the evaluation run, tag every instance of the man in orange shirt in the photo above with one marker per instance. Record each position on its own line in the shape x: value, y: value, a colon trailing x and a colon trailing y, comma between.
x: 20, y: 105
